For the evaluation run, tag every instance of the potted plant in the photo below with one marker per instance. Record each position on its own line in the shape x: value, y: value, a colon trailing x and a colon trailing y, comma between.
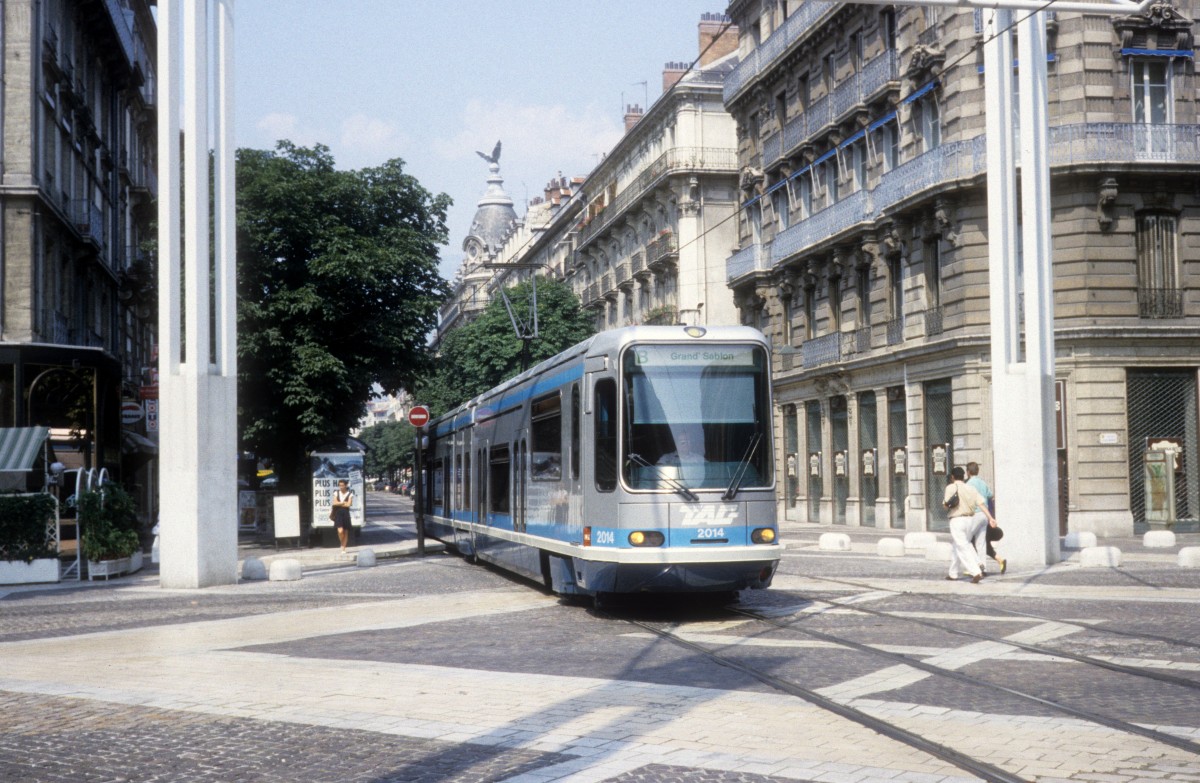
x: 108, y: 519
x: 27, y: 552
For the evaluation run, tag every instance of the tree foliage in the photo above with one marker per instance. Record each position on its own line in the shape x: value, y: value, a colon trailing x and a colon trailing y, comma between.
x: 338, y: 284
x: 390, y: 448
x: 487, y: 351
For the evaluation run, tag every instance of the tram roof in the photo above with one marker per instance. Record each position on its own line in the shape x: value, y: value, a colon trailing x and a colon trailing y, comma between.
x: 599, y: 344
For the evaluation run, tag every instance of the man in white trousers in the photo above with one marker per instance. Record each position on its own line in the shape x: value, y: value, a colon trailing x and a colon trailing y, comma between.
x: 968, y: 514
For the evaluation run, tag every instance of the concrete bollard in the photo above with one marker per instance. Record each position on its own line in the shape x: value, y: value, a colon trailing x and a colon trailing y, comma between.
x: 918, y: 542
x: 366, y: 558
x: 1078, y: 540
x: 834, y: 542
x: 890, y: 547
x: 941, y: 550
x: 253, y: 568
x: 1100, y: 557
x: 1189, y: 557
x: 285, y: 570
x: 1158, y: 539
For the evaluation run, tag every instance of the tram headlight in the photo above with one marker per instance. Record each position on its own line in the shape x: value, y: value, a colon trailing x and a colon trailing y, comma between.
x: 763, y: 535
x: 646, y: 538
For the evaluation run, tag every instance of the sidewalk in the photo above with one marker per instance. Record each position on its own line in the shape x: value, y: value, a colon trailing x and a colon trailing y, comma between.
x: 864, y: 540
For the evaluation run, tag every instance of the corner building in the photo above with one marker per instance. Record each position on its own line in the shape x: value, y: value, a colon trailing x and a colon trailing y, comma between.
x: 862, y: 251
x: 77, y: 189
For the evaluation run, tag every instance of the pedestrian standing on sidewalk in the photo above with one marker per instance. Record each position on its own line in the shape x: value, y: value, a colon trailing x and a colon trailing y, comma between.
x: 968, y: 514
x: 343, y: 498
x: 987, y: 533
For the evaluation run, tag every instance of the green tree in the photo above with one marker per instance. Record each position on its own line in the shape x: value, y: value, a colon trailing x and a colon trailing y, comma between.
x: 487, y: 351
x: 338, y: 284
x: 390, y: 445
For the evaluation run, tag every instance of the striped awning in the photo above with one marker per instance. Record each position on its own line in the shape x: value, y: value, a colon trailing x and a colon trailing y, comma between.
x: 20, y: 447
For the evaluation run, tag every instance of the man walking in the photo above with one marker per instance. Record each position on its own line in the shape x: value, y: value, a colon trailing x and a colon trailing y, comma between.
x: 968, y: 513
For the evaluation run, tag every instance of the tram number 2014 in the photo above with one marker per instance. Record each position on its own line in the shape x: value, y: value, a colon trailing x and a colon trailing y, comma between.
x: 710, y: 532
x: 606, y: 537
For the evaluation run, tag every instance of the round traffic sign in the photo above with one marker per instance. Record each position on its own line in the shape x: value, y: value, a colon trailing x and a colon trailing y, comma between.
x: 418, y: 416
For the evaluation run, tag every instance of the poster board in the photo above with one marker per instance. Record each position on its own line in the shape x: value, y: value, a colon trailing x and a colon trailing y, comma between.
x: 287, y: 516
x: 327, y: 469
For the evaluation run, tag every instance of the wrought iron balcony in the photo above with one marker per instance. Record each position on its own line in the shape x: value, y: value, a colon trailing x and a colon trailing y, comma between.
x: 895, y: 331
x: 951, y: 161
x: 821, y: 350
x: 934, y: 318
x: 801, y: 23
x: 751, y: 258
x: 1116, y: 142
x: 661, y: 247
x: 1160, y: 302
x: 637, y: 263
x: 674, y: 160
x: 88, y: 221
x: 850, y: 211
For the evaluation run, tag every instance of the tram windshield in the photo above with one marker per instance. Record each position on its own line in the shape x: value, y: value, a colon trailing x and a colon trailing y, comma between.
x: 696, y: 417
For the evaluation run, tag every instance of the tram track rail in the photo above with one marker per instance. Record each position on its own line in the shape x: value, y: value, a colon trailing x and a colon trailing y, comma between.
x: 983, y: 769
x: 1136, y: 671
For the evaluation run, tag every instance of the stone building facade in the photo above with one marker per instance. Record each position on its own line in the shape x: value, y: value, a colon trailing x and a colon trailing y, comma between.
x: 657, y: 213
x: 77, y: 189
x: 863, y: 253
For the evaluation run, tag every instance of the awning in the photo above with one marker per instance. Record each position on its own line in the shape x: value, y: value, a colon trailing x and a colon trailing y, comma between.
x: 1188, y: 53
x: 20, y: 447
x: 132, y: 443
x: 920, y: 91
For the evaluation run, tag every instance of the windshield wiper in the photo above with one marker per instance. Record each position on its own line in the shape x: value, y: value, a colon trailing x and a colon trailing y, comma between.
x: 675, y: 484
x: 740, y: 473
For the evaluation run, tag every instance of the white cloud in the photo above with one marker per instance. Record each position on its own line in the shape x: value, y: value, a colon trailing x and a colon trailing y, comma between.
x: 276, y: 126
x: 369, y: 141
x: 538, y: 140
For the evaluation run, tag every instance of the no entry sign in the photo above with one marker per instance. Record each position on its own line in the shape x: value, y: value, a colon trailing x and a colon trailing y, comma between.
x: 418, y: 416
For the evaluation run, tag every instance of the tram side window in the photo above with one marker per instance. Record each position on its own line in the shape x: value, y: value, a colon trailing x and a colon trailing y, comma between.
x: 438, y: 473
x: 498, y: 480
x: 466, y: 482
x: 546, y: 437
x: 457, y: 495
x: 575, y: 431
x: 606, y: 435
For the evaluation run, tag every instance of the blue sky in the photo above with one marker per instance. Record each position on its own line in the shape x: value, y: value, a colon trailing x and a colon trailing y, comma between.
x: 432, y: 82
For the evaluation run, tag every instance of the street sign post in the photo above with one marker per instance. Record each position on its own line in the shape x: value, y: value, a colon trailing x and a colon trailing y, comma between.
x: 418, y: 416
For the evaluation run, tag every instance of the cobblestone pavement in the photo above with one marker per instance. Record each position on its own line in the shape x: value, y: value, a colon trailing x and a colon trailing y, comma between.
x: 436, y: 670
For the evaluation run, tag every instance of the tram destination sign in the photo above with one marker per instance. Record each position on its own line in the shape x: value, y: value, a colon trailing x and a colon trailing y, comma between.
x: 691, y: 356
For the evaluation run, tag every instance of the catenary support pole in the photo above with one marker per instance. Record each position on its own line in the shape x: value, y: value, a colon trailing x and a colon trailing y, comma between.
x: 197, y: 327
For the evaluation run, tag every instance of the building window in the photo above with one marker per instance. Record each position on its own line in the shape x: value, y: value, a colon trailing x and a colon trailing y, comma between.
x: 928, y: 122
x: 806, y: 190
x: 781, y: 203
x: 1159, y: 292
x: 886, y: 143
x: 810, y: 313
x: 863, y: 294
x: 835, y: 304
x: 857, y: 165
x: 933, y: 288
x: 1151, y: 91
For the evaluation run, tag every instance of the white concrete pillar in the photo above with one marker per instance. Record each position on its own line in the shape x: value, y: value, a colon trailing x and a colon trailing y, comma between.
x: 1023, y: 391
x: 197, y: 341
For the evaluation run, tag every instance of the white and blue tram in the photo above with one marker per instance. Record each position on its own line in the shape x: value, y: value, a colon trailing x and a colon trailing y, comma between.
x: 639, y: 460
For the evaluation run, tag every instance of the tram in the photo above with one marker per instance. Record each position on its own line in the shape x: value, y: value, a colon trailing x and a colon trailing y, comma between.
x: 640, y: 460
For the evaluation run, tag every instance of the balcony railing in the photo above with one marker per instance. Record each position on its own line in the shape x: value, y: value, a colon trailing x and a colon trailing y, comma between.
x: 674, y: 160
x: 950, y: 161
x: 88, y: 220
x: 822, y: 350
x: 934, y: 318
x: 751, y: 258
x: 1160, y: 302
x: 854, y: 209
x: 760, y: 59
x: 661, y: 247
x: 895, y: 331
x: 637, y: 263
x: 1101, y: 142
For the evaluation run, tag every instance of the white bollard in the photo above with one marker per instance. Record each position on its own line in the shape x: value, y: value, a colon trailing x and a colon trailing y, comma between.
x: 1079, y: 540
x: 1100, y: 557
x: 1189, y: 557
x: 941, y: 550
x: 285, y: 570
x: 918, y: 542
x: 366, y: 558
x: 254, y: 568
x: 1158, y: 539
x: 890, y: 547
x: 834, y: 542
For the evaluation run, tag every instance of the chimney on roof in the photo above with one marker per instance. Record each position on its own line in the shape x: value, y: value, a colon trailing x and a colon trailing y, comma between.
x: 718, y: 37
x: 633, y: 113
x: 673, y: 72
